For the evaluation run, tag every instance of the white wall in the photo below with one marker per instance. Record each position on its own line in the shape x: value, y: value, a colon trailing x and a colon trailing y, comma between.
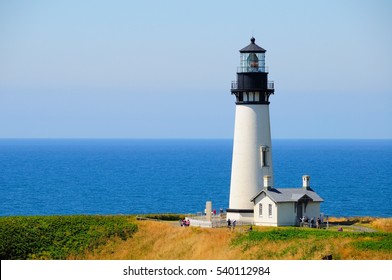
x: 312, y: 210
x: 243, y: 217
x: 286, y: 214
x: 265, y: 219
x: 252, y: 130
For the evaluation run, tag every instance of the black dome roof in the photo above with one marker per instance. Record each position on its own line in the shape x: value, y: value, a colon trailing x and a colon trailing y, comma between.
x: 252, y: 48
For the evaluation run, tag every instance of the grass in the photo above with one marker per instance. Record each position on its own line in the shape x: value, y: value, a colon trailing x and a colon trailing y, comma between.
x: 125, y: 238
x: 166, y: 240
x: 383, y: 243
x: 59, y: 237
x: 169, y: 241
x: 303, y: 243
x: 382, y: 224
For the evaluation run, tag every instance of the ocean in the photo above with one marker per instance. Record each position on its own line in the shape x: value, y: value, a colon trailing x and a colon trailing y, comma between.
x: 86, y: 176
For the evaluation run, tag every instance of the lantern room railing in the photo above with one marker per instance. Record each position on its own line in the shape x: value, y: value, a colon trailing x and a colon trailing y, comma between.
x: 245, y: 69
x: 270, y: 85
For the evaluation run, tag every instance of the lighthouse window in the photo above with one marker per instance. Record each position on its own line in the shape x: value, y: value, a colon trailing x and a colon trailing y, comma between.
x: 253, y: 62
x: 270, y: 210
x: 264, y: 156
x: 244, y: 62
x: 257, y: 96
x: 251, y: 96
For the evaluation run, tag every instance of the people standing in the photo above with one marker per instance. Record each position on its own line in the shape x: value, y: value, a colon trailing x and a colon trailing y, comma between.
x: 234, y: 223
x: 318, y: 222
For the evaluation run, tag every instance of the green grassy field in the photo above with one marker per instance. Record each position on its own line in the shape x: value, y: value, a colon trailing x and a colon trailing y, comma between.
x: 305, y: 243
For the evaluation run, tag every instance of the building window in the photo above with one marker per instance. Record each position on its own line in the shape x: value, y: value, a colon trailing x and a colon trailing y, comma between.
x: 260, y: 209
x: 264, y: 155
x: 270, y: 210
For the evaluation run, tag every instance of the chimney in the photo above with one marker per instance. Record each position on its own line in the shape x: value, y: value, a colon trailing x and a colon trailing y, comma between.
x: 267, y: 182
x: 306, y: 182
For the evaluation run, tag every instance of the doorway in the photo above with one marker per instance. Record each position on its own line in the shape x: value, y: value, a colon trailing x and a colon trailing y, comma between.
x: 299, y: 212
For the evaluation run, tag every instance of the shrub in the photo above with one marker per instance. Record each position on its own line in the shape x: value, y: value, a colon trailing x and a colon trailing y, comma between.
x: 165, y: 217
x: 58, y: 237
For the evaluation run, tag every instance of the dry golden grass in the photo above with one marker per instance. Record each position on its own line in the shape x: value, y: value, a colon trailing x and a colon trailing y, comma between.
x: 383, y: 224
x: 352, y: 220
x: 165, y: 241
x: 380, y: 224
x: 168, y: 241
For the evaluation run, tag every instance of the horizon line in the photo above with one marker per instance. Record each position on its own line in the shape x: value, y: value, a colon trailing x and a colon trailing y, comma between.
x: 174, y: 138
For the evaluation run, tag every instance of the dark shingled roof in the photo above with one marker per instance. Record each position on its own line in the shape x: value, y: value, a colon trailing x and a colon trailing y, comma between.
x: 252, y: 48
x: 289, y: 195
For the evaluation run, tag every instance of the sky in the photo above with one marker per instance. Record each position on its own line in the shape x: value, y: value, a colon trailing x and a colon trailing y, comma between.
x: 163, y: 69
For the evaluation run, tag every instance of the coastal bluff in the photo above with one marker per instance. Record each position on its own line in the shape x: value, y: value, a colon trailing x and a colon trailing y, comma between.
x: 160, y: 237
x: 361, y: 238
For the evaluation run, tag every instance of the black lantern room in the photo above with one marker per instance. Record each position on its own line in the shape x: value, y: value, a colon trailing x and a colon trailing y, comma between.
x: 252, y: 85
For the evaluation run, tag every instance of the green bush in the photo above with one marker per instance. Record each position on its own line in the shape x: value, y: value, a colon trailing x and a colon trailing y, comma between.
x: 164, y: 217
x: 58, y: 237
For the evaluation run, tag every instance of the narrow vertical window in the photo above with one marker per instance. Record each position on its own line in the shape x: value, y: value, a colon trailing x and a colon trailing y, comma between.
x: 264, y: 156
x: 270, y: 210
x: 257, y: 96
x: 260, y: 209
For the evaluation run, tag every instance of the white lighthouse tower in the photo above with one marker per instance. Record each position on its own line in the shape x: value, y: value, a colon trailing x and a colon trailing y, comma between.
x: 252, y: 159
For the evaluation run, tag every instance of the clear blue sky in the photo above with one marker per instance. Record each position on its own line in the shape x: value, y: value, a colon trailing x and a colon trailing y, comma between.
x: 162, y: 69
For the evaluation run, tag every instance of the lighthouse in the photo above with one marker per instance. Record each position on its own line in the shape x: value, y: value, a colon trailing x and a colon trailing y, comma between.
x: 252, y: 149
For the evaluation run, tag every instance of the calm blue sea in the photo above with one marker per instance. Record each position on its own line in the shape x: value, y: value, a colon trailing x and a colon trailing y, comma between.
x: 45, y: 177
